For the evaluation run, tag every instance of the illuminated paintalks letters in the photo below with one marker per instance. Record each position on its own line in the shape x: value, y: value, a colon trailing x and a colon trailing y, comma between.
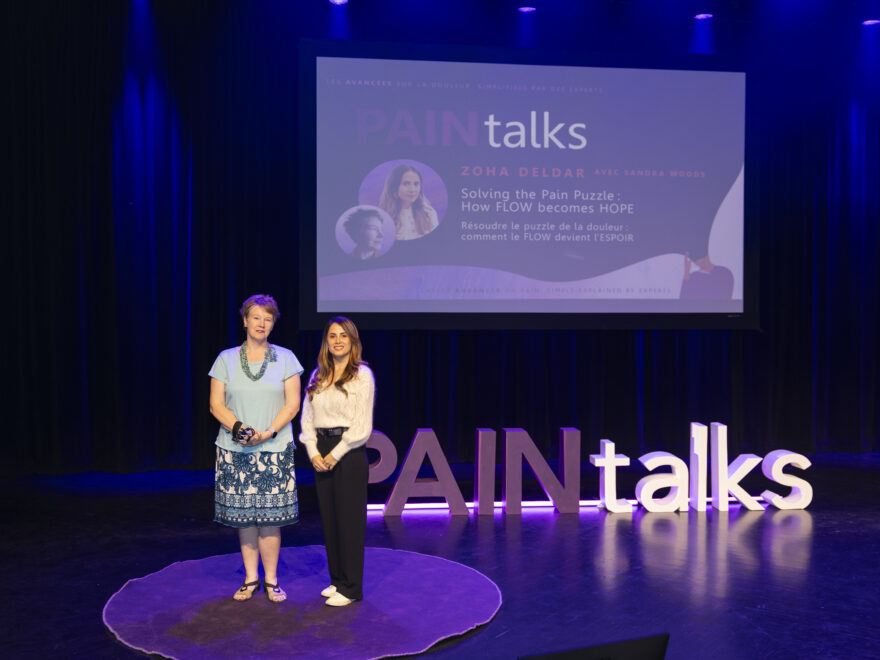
x: 685, y: 483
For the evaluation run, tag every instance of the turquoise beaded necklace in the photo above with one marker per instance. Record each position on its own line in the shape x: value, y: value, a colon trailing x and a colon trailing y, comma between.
x: 269, y: 357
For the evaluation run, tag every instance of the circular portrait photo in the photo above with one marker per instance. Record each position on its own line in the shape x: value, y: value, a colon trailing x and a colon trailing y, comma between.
x: 365, y: 232
x: 411, y: 193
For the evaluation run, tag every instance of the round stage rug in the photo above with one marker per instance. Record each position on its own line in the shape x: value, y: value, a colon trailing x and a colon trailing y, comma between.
x: 411, y: 602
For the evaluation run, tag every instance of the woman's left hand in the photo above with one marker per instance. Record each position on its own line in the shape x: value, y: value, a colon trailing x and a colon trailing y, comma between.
x: 329, y: 461
x: 258, y: 438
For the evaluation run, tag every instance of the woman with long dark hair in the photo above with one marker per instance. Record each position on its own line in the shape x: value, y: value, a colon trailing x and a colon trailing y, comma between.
x: 337, y: 421
x: 404, y: 200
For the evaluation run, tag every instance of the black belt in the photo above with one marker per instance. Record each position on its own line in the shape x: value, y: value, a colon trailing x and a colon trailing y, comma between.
x: 332, y: 433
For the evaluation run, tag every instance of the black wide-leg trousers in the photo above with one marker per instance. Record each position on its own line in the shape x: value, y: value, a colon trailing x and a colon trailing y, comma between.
x: 342, y: 501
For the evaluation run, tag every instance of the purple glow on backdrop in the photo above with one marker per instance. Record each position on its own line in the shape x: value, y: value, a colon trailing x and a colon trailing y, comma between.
x: 526, y: 504
x: 703, y: 17
x: 526, y: 10
x: 338, y: 2
x: 871, y: 21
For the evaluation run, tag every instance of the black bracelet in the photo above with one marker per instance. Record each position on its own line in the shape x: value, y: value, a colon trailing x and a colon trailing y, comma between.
x: 235, y: 429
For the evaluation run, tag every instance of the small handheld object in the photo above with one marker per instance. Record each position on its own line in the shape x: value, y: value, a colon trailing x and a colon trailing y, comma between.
x: 242, y: 433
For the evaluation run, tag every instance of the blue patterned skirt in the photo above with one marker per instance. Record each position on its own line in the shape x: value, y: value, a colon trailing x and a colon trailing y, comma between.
x: 255, y: 489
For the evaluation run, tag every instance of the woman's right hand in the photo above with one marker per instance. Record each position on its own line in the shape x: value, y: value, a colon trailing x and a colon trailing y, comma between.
x: 319, y: 464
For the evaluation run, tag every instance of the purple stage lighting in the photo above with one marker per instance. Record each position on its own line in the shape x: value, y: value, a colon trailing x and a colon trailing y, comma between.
x: 871, y: 21
x: 526, y: 9
x: 338, y: 2
x: 703, y: 17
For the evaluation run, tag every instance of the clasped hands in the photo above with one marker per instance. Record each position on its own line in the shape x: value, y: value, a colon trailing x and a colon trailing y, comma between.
x: 257, y: 438
x: 324, y: 463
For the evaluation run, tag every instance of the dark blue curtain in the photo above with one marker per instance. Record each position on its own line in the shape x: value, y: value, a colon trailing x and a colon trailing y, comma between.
x: 155, y: 188
x: 153, y: 249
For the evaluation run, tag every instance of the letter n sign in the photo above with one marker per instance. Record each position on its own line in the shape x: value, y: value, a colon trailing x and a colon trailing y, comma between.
x: 518, y: 446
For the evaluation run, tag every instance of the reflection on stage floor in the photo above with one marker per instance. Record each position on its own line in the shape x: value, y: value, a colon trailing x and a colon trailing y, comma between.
x: 735, y: 584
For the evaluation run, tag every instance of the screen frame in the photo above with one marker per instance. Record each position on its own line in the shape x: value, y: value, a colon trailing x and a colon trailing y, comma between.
x: 311, y: 319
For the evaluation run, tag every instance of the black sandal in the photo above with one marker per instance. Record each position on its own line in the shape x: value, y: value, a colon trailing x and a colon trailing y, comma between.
x: 275, y: 588
x: 246, y: 588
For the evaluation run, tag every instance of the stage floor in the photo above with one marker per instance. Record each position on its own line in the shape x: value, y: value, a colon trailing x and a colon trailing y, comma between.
x: 737, y: 585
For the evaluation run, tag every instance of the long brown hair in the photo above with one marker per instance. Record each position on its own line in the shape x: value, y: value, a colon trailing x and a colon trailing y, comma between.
x: 322, y: 376
x: 390, y: 201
